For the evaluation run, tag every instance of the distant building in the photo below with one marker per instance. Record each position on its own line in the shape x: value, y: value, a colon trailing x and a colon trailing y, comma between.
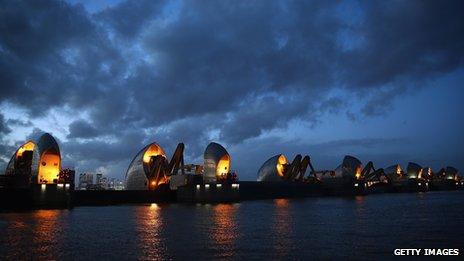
x: 85, y: 181
x: 118, y: 185
x: 98, y: 180
x: 102, y: 182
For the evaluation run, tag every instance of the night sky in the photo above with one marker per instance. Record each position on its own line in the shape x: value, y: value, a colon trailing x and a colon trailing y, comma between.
x: 380, y: 80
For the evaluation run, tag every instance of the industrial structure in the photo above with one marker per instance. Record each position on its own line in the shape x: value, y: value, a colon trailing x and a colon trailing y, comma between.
x: 352, y: 174
x: 152, y: 171
x: 34, y: 175
x: 37, y: 162
x: 216, y: 163
x: 394, y: 173
x: 274, y: 169
x: 278, y: 168
x: 446, y: 179
x: 151, y: 168
x: 416, y: 177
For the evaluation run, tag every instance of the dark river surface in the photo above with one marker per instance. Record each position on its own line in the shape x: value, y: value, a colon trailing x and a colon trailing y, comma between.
x: 368, y: 227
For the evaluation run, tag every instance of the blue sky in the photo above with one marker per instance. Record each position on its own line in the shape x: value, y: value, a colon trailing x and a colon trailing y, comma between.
x: 378, y: 80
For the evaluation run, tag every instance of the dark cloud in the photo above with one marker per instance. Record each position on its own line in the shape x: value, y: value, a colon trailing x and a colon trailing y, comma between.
x: 209, y: 57
x: 104, y: 151
x: 52, y: 55
x: 229, y: 70
x: 216, y: 54
x: 263, y: 113
x: 405, y: 40
x: 128, y: 18
x: 5, y: 153
x: 89, y: 154
x: 33, y: 135
x: 18, y: 122
x: 4, y: 128
x: 378, y: 104
x: 186, y: 131
x: 357, y: 143
x: 5, y: 150
x: 82, y: 129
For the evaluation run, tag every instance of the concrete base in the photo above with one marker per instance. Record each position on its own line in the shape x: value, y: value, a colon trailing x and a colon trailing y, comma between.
x: 250, y: 190
x: 61, y: 196
x: 209, y: 193
x: 36, y: 196
x: 113, y: 197
x: 445, y: 184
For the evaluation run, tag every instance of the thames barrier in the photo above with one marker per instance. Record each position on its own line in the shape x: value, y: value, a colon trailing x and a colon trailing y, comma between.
x: 34, y: 178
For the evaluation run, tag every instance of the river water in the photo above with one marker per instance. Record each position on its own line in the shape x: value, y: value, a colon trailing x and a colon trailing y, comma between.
x: 312, y: 228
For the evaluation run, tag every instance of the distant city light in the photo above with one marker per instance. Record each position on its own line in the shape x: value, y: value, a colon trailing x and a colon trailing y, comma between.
x: 100, y: 182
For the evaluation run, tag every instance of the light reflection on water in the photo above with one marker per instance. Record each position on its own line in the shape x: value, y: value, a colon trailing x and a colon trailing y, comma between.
x: 360, y: 208
x: 223, y: 231
x: 273, y: 229
x: 47, y: 231
x: 148, y: 227
x: 34, y: 235
x: 282, y: 227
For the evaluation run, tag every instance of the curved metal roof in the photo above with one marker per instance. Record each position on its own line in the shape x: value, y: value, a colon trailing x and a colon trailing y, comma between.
x: 413, y: 168
x: 137, y: 173
x: 451, y: 172
x: 393, y: 171
x: 11, y: 164
x: 46, y: 143
x: 350, y: 166
x: 269, y: 171
x: 215, y: 155
x: 215, y: 151
x: 351, y: 162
